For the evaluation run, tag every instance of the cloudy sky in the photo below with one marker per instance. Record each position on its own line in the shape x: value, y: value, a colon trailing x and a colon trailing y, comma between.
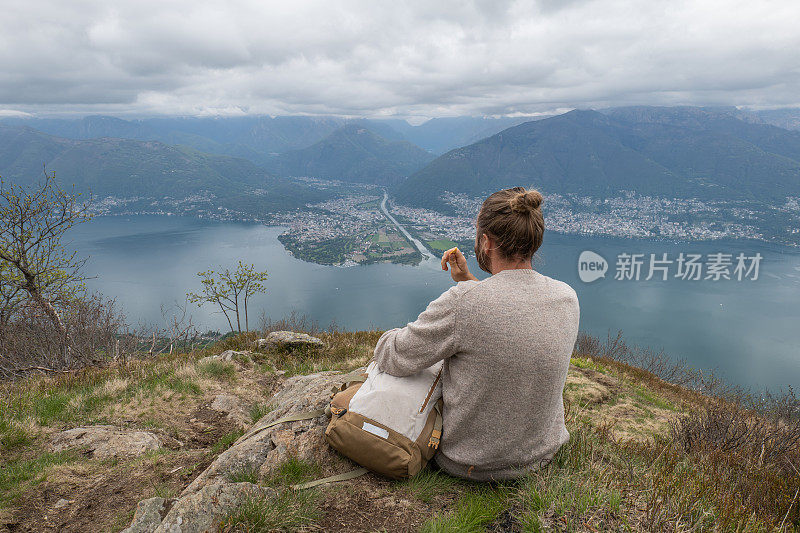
x: 380, y: 57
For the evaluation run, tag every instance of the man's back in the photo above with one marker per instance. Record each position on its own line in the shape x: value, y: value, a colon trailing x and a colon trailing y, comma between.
x: 506, y: 342
x: 503, y: 406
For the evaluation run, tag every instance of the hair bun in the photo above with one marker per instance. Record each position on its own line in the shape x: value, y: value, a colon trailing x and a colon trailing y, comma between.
x: 526, y: 202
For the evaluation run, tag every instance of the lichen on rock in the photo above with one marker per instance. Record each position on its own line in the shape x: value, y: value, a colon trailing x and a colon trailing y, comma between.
x: 105, y: 442
x: 288, y: 339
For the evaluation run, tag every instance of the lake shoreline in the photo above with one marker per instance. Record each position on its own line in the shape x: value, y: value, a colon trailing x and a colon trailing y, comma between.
x: 746, y: 329
x: 778, y: 246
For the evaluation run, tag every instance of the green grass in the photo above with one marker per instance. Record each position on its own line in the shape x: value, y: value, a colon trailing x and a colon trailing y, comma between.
x: 248, y: 474
x: 50, y: 407
x: 594, y: 482
x: 61, y: 404
x: 226, y: 441
x: 151, y: 422
x: 219, y: 370
x: 386, y: 244
x: 123, y: 519
x: 588, y: 362
x: 257, y: 411
x: 392, y: 246
x: 576, y: 488
x: 300, y: 368
x: 473, y: 512
x: 427, y: 484
x: 293, y: 471
x: 288, y: 510
x: 161, y: 380
x: 651, y: 398
x: 20, y: 475
x: 12, y: 436
x: 567, y: 494
x: 148, y: 458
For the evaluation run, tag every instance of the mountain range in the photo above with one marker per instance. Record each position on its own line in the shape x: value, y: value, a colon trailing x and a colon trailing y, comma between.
x: 353, y: 153
x: 787, y: 118
x: 259, y: 138
x: 660, y: 151
x: 127, y: 168
x: 356, y: 150
x: 707, y: 153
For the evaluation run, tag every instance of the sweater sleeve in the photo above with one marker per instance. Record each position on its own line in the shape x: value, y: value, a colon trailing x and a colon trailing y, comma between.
x: 430, y: 338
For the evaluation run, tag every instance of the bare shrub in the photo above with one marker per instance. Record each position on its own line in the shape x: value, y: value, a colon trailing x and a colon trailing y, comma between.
x: 754, y: 459
x: 175, y: 333
x: 587, y: 345
x: 657, y: 363
x: 98, y: 333
x: 30, y: 341
x: 294, y: 322
x: 734, y: 451
x: 781, y: 406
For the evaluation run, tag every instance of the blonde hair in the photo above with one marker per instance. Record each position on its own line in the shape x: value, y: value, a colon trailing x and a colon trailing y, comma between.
x: 513, y: 218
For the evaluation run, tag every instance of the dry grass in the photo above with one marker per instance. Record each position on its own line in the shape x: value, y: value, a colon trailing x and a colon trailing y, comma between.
x: 169, y: 395
x: 343, y: 351
x: 644, y: 455
x: 731, y: 459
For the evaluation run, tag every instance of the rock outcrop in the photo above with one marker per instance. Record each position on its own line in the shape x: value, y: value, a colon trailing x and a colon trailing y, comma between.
x: 288, y: 339
x: 104, y: 442
x: 227, y: 355
x: 205, y: 502
x: 233, y: 407
x: 148, y: 515
x: 196, y: 512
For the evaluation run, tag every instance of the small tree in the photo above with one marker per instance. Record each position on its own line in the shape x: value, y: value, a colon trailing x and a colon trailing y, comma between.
x: 11, y: 295
x: 33, y: 261
x: 230, y: 291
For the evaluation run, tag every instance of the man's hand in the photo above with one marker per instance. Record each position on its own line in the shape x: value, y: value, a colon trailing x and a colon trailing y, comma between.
x: 458, y: 265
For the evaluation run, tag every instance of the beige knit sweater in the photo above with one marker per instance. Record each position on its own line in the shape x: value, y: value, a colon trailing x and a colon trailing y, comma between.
x: 506, y: 343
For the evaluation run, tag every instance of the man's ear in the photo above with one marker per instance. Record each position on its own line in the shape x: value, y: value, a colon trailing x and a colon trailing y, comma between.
x: 488, y: 242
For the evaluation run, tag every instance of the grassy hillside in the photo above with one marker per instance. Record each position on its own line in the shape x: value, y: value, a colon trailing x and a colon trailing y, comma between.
x: 644, y: 455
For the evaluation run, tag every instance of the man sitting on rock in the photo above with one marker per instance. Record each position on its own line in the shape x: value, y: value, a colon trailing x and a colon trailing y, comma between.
x: 506, y: 343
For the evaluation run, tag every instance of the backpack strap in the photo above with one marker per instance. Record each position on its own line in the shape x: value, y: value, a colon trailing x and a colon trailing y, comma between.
x: 353, y: 377
x: 304, y: 415
x: 308, y: 415
x: 436, y: 434
x: 348, y: 380
x: 332, y: 479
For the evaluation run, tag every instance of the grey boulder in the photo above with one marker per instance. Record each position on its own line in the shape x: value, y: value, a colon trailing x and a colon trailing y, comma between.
x: 288, y: 339
x: 104, y: 442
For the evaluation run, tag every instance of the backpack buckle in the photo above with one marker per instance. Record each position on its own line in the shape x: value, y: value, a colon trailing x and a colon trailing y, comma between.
x: 436, y: 435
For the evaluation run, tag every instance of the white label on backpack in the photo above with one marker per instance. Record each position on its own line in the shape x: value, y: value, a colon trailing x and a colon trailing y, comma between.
x: 375, y: 430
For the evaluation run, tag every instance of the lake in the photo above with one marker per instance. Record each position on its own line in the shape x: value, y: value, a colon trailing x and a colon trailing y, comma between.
x: 748, y: 331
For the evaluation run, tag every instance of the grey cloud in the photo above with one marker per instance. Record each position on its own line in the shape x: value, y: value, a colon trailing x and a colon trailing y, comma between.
x: 405, y: 58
